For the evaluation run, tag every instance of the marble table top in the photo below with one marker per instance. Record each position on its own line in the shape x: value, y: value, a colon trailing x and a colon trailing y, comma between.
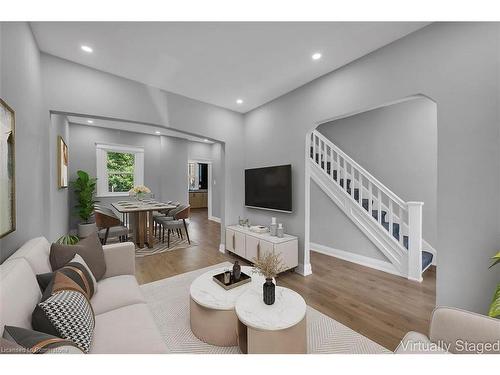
x: 207, y: 293
x: 288, y: 309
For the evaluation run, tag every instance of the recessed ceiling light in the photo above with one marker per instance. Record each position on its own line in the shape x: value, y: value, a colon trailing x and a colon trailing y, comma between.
x: 86, y: 48
x: 90, y: 121
x: 316, y: 56
x: 206, y: 140
x: 239, y: 101
x: 157, y: 132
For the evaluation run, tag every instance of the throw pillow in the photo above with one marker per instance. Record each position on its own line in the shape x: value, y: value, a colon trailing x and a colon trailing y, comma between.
x: 23, y: 340
x: 76, y: 270
x: 89, y: 248
x: 66, y: 314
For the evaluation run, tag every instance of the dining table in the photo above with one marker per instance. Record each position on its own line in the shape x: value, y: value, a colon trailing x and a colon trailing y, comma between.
x: 140, y: 218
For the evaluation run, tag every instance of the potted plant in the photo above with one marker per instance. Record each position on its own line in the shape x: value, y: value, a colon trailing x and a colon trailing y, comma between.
x: 68, y: 239
x: 269, y: 266
x: 495, y: 303
x: 85, y: 187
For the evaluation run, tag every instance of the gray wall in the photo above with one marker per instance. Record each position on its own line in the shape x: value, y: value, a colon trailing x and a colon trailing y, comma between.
x: 397, y: 144
x: 73, y: 88
x: 455, y: 64
x: 165, y: 159
x: 210, y: 152
x: 174, y: 169
x: 82, y: 156
x: 331, y: 227
x: 59, y: 213
x: 20, y: 87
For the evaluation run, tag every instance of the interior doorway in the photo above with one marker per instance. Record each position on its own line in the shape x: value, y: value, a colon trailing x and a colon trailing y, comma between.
x: 200, y: 183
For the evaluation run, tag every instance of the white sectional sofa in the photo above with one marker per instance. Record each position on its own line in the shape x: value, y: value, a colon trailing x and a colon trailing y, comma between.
x: 124, y: 323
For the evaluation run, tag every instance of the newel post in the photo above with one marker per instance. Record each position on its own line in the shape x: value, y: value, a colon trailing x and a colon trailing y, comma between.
x: 415, y: 241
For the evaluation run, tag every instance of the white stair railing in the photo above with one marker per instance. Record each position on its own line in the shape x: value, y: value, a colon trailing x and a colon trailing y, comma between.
x: 373, y: 197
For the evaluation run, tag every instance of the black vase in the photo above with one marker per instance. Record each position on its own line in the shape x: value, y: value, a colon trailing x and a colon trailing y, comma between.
x: 268, y: 289
x: 236, y: 271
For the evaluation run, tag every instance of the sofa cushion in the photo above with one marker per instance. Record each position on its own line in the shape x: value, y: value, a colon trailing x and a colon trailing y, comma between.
x: 116, y: 292
x: 38, y: 342
x: 19, y: 293
x: 36, y: 253
x: 128, y: 330
x: 89, y: 248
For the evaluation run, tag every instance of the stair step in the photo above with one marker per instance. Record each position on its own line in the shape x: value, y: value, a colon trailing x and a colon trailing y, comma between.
x: 426, y: 259
x: 348, y: 183
x: 395, y: 231
x: 375, y: 215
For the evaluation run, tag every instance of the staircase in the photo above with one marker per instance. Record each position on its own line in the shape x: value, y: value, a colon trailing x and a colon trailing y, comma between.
x: 393, y: 225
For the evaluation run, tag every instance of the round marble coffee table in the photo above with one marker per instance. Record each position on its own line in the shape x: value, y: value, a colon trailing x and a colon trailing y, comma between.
x: 272, y: 329
x: 212, y: 315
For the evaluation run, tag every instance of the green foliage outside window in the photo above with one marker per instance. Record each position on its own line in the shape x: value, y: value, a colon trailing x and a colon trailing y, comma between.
x: 120, y: 167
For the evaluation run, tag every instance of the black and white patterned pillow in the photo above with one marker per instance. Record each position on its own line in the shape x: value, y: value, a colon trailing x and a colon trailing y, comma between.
x: 69, y: 313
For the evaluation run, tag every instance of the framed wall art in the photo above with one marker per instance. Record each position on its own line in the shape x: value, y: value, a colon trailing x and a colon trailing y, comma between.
x: 7, y: 170
x: 62, y: 163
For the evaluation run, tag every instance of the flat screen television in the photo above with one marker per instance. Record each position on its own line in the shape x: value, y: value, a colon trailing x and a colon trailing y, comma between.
x: 269, y: 188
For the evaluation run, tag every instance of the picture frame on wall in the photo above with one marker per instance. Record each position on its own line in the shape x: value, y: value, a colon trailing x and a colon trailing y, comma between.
x: 62, y: 163
x: 7, y: 170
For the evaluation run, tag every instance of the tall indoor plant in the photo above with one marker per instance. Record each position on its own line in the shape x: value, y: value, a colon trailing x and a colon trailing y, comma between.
x: 85, y: 188
x: 495, y: 303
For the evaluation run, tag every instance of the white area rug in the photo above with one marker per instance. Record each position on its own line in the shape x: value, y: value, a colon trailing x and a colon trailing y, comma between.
x: 168, y: 299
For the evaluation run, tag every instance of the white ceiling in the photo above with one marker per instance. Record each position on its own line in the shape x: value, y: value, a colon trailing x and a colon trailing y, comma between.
x: 219, y: 62
x: 135, y: 128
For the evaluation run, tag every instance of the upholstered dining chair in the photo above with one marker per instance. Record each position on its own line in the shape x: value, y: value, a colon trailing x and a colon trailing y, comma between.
x: 109, y: 225
x: 176, y: 224
x: 167, y: 214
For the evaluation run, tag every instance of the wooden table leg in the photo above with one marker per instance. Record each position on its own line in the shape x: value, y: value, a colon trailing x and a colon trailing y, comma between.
x: 141, y: 226
x: 134, y: 225
x: 150, y: 229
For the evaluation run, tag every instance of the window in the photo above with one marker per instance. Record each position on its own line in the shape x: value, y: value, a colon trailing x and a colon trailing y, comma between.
x: 119, y: 169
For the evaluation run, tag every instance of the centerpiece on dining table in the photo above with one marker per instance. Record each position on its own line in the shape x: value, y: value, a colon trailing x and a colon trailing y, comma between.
x: 139, y: 192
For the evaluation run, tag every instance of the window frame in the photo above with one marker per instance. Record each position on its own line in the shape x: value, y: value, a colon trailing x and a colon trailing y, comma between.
x: 102, y: 150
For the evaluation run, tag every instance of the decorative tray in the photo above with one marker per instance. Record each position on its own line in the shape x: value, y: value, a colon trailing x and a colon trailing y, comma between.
x: 219, y: 279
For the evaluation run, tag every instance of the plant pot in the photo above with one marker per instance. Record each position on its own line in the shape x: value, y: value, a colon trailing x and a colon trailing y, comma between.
x: 85, y: 230
x: 268, y: 292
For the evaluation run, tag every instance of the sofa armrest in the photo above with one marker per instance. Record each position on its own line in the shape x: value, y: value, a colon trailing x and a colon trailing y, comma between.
x: 120, y: 259
x: 418, y: 343
x: 464, y: 331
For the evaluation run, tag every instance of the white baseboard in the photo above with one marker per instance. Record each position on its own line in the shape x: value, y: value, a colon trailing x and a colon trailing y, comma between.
x: 214, y: 218
x: 222, y: 248
x: 304, y: 269
x: 355, y: 258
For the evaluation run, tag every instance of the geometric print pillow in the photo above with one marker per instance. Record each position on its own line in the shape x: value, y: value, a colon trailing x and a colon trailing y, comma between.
x: 66, y: 314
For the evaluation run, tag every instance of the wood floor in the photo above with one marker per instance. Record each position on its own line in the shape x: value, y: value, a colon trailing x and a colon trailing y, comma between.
x: 378, y: 305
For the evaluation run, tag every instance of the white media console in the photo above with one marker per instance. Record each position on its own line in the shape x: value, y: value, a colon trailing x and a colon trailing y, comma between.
x: 249, y: 245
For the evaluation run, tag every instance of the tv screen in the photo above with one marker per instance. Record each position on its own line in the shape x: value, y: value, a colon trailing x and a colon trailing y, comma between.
x: 269, y: 187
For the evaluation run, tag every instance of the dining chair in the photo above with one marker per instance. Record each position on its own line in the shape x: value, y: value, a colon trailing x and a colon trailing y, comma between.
x: 109, y: 225
x: 176, y: 224
x: 167, y: 214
